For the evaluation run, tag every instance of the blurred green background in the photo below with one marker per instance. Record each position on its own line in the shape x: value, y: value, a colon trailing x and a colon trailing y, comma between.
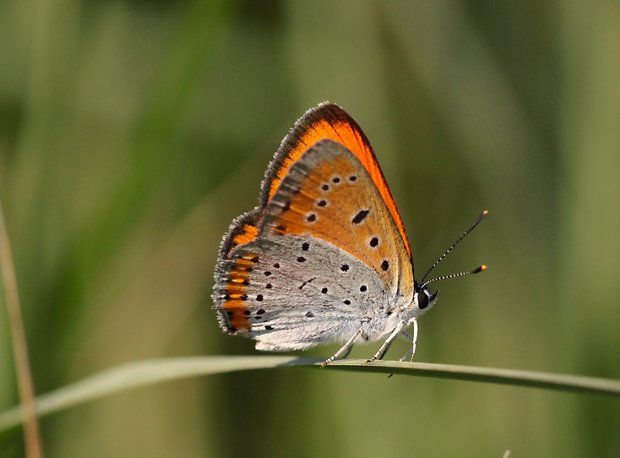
x: 132, y: 132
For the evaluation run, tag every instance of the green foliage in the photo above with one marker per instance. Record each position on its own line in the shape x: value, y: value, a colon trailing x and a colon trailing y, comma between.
x: 131, y: 133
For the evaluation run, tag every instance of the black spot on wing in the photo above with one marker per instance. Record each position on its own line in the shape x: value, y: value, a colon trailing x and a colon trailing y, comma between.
x: 361, y: 216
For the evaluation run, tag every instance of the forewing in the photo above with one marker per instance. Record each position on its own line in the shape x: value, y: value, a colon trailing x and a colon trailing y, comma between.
x: 329, y: 195
x: 329, y: 121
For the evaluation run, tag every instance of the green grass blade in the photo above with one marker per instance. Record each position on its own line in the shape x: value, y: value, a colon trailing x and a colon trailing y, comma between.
x: 143, y: 373
x: 562, y: 382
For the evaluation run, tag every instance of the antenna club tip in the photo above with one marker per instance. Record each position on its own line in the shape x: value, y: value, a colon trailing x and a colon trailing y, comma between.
x: 485, y: 212
x: 482, y: 268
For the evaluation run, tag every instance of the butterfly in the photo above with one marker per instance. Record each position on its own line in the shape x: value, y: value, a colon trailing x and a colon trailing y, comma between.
x: 324, y: 257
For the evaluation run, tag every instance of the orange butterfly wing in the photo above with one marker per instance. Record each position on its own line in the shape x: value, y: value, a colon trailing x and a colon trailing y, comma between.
x: 329, y: 121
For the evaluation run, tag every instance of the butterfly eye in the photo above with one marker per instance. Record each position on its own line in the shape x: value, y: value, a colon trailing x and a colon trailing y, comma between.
x: 426, y: 297
x: 422, y: 300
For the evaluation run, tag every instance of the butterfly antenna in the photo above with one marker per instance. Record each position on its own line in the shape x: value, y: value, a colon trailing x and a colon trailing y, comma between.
x: 479, y: 269
x: 442, y: 257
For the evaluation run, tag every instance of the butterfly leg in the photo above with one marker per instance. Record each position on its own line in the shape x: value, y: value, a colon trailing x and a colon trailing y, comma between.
x: 413, y: 338
x: 409, y: 338
x: 345, y: 349
x: 388, y: 342
x: 405, y: 335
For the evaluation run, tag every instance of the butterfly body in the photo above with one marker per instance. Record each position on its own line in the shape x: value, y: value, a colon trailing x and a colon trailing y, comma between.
x: 324, y: 258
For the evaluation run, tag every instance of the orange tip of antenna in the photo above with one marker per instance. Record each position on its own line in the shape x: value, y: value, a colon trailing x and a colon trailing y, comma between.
x: 485, y: 212
x: 482, y: 268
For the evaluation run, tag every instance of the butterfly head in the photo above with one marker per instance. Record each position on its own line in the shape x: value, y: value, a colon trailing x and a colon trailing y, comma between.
x: 424, y: 297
